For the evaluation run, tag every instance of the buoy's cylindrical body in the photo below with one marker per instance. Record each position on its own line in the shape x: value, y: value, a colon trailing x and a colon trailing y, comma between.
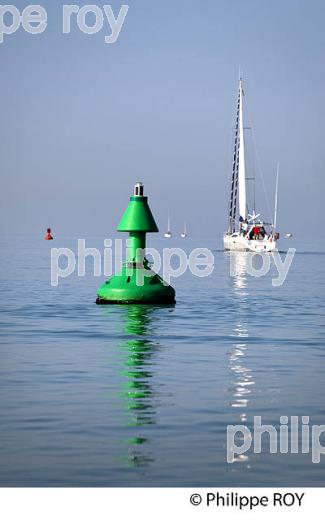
x: 136, y: 246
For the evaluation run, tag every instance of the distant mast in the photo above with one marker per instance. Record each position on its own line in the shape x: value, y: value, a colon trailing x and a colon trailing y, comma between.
x: 241, y: 162
x: 168, y: 233
x: 184, y: 232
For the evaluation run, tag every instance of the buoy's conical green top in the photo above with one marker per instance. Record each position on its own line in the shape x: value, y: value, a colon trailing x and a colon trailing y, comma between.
x: 138, y: 217
x: 125, y: 287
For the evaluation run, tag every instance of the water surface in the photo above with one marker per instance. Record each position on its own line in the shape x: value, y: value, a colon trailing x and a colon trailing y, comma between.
x: 142, y: 395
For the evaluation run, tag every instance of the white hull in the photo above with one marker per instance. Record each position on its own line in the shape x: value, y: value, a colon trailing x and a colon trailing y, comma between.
x: 167, y: 235
x: 236, y: 242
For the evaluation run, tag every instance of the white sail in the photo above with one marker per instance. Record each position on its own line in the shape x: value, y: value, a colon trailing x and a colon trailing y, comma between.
x: 241, y: 164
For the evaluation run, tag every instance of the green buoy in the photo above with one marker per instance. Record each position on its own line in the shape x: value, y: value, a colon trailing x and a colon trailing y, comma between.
x: 136, y: 282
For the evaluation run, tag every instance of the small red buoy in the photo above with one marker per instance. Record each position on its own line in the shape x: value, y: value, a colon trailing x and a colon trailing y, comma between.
x: 48, y: 235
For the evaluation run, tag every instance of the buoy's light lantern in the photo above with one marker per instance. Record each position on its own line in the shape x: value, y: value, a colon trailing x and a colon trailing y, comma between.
x: 138, y: 189
x: 124, y: 287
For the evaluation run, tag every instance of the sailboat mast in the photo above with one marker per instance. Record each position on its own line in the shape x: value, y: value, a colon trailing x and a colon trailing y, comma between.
x: 276, y: 197
x: 241, y: 154
x: 234, y: 178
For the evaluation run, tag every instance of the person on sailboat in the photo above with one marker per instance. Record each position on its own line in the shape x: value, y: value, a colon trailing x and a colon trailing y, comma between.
x: 241, y: 222
x: 244, y: 227
x: 256, y: 231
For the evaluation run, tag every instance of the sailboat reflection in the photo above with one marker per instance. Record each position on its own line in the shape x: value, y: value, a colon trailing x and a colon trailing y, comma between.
x: 139, y: 395
x: 242, y: 382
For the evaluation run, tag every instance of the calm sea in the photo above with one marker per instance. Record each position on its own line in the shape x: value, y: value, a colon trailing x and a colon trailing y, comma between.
x: 142, y: 395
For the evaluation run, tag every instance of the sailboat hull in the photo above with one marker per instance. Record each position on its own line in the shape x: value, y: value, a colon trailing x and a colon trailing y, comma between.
x: 236, y: 242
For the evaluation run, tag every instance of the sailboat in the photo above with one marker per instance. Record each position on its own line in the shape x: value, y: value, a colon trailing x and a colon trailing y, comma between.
x: 168, y: 233
x: 247, y: 231
x: 184, y: 232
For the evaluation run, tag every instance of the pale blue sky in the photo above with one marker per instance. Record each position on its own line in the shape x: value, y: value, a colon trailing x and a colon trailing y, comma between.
x: 82, y: 121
